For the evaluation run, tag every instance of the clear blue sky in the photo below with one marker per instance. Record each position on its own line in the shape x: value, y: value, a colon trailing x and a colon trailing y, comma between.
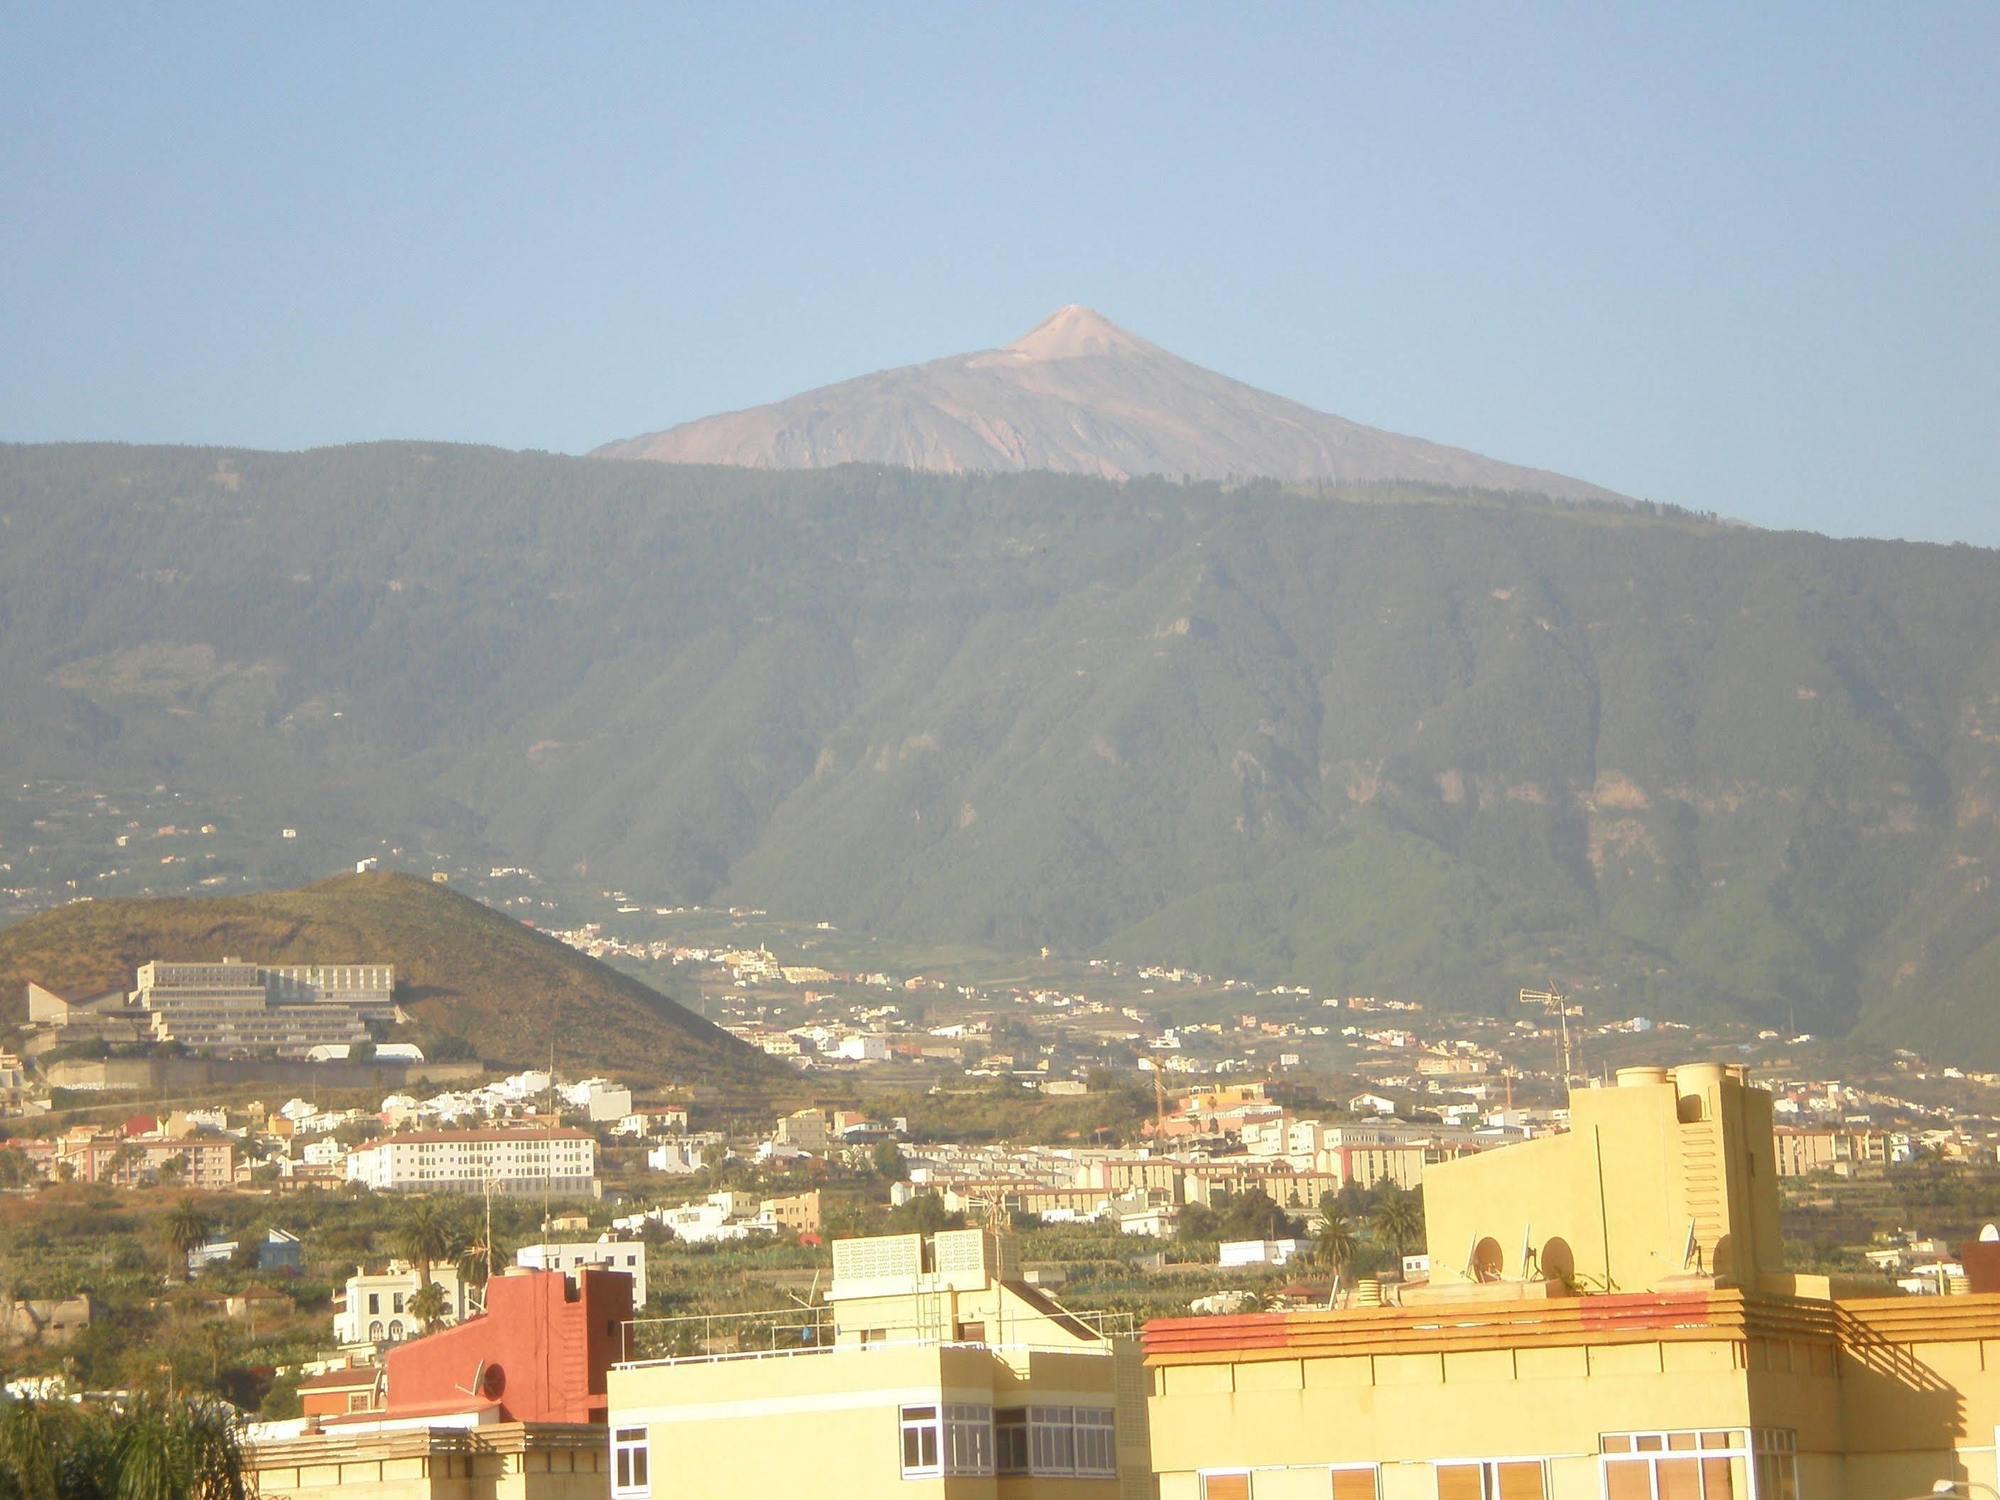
x: 1745, y: 258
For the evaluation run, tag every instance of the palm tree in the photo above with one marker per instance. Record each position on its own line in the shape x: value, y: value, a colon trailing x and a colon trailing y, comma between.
x: 429, y: 1305
x: 33, y: 1440
x: 186, y: 1228
x: 1334, y: 1244
x: 175, y: 1448
x: 156, y: 1448
x: 1399, y: 1219
x: 429, y: 1233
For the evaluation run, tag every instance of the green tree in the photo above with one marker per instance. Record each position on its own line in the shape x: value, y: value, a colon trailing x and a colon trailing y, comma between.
x: 186, y: 1228
x: 1398, y: 1220
x: 887, y: 1159
x: 120, y: 1161
x: 428, y: 1234
x: 159, y: 1447
x: 429, y: 1305
x: 923, y: 1214
x: 1334, y: 1243
x: 178, y: 1449
x: 1198, y: 1223
x: 1255, y: 1215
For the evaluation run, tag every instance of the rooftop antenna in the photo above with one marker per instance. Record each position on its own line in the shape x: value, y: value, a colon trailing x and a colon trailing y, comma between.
x: 1553, y: 999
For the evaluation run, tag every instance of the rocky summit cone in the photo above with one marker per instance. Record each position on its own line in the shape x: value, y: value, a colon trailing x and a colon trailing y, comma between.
x: 1077, y: 395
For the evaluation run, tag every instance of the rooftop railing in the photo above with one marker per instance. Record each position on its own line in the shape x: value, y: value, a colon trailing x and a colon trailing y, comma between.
x: 787, y: 1332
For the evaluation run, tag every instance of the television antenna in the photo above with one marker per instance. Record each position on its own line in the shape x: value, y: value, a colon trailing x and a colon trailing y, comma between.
x: 1555, y: 1000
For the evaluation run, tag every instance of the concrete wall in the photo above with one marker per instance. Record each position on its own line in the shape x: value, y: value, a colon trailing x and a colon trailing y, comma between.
x: 201, y: 1072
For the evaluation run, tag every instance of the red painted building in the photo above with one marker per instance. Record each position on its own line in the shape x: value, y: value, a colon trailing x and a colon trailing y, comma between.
x: 538, y: 1353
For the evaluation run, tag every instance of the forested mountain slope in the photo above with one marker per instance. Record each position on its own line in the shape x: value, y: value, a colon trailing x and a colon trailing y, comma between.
x: 1433, y: 744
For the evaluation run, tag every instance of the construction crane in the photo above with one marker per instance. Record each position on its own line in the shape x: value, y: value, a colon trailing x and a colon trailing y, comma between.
x: 1554, y: 1000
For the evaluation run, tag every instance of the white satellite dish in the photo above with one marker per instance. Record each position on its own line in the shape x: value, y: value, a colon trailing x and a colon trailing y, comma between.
x: 1990, y: 1234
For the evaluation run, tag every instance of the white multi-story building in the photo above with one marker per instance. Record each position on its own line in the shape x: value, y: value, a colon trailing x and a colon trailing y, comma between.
x: 234, y: 1004
x: 471, y: 1161
x: 684, y: 1155
x: 571, y: 1257
x: 376, y: 1309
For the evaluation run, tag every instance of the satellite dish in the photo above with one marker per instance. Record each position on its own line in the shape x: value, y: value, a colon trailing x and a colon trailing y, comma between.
x: 478, y: 1381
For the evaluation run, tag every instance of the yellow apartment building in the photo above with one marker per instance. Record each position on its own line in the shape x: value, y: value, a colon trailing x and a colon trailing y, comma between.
x: 1610, y: 1318
x: 940, y: 1373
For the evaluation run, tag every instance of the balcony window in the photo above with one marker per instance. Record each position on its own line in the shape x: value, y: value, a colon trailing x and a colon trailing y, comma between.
x: 922, y: 1449
x: 1705, y: 1464
x: 1097, y: 1442
x: 1052, y: 1439
x: 968, y: 1433
x: 631, y: 1462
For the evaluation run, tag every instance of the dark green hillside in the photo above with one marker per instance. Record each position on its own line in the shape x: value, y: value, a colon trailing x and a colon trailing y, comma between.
x: 463, y: 969
x: 1435, y: 749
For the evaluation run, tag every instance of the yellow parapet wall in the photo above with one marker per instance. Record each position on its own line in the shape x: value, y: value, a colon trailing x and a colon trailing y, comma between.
x: 1668, y: 1175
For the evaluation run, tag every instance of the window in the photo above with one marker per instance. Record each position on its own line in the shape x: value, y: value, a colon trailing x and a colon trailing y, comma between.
x: 1354, y: 1484
x: 1097, y: 1442
x: 374, y: 1302
x: 922, y: 1456
x: 631, y: 1462
x: 395, y: 1330
x: 1777, y: 1453
x: 1492, y: 1479
x: 968, y: 1439
x: 1010, y: 1441
x: 1225, y: 1487
x: 1710, y: 1464
x: 375, y: 1331
x: 1052, y: 1439
x: 395, y: 1302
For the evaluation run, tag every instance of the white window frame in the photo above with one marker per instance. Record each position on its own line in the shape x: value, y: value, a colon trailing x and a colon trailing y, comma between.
x: 633, y: 1444
x: 1778, y: 1445
x: 925, y: 1421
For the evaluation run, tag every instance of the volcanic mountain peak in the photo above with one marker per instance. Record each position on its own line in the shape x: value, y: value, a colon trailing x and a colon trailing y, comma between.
x: 1077, y: 395
x: 1074, y: 331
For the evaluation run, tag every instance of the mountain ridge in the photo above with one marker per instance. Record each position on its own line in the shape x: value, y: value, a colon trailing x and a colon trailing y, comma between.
x: 1434, y: 749
x: 1077, y: 394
